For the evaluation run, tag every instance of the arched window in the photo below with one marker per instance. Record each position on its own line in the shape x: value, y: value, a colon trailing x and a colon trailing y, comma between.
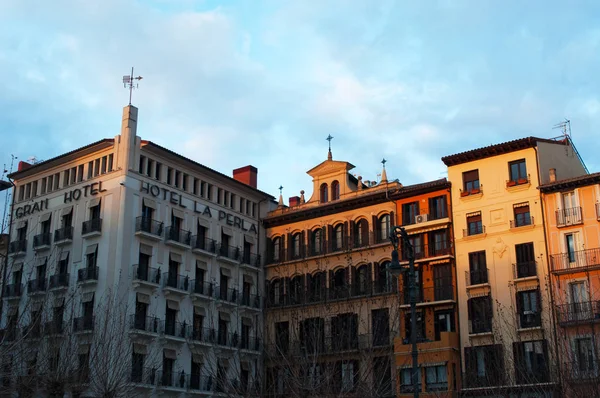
x: 297, y: 289
x: 361, y: 233
x: 316, y: 242
x: 316, y: 286
x: 324, y: 193
x: 382, y: 277
x: 276, y: 249
x: 338, y: 232
x: 384, y: 227
x: 362, y: 279
x: 339, y: 284
x: 275, y: 292
x: 296, y: 245
x: 335, y: 190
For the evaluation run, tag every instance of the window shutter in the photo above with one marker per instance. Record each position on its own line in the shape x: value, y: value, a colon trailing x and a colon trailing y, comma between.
x: 519, y: 303
x: 330, y: 238
x: 392, y: 220
x: 518, y: 357
x: 365, y: 232
x: 302, y: 244
x: 303, y: 290
x: 331, y: 279
x: 470, y: 309
x: 351, y: 234
x: 323, y: 240
x: 290, y: 249
x: 282, y: 248
x: 345, y: 234
x: 538, y: 304
x: 375, y: 222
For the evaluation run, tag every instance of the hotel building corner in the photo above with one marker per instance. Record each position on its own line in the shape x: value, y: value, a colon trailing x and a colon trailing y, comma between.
x: 124, y: 229
x: 505, y: 304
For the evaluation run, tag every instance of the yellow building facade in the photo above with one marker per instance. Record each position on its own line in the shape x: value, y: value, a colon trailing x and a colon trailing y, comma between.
x: 572, y: 208
x: 504, y: 303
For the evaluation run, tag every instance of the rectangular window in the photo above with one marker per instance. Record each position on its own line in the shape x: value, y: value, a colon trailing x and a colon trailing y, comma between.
x: 282, y: 336
x: 232, y: 201
x: 56, y: 181
x: 149, y: 166
x: 225, y: 198
x: 409, y: 212
x: 526, y: 265
x: 444, y: 322
x: 80, y: 173
x: 158, y: 171
x: 484, y: 366
x: 349, y: 370
x: 66, y: 175
x: 219, y: 195
x: 584, y: 354
x: 421, y: 336
x: 142, y: 164
x: 170, y: 173
x: 43, y: 186
x: 522, y: 215
x: 436, y: 378
x: 34, y: 190
x: 242, y: 205
x: 73, y: 175
x: 438, y: 208
x: 96, y: 167
x: 480, y: 314
x: 49, y: 186
x: 406, y: 385
x: 470, y: 182
x: 528, y: 309
x: 21, y: 192
x: 531, y: 364
x: 110, y: 162
x: 28, y: 191
x: 517, y: 172
x: 203, y: 192
x: 253, y: 209
x: 477, y: 268
x: 474, y: 225
x: 103, y: 165
x: 195, y: 186
x: 177, y: 178
x: 90, y: 170
x: 248, y: 205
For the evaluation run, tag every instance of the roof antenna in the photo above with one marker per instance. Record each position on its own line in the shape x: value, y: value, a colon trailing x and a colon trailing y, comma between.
x: 565, y: 127
x: 130, y: 81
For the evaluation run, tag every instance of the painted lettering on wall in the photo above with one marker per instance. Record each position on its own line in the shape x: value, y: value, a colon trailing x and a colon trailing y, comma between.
x: 91, y: 189
x: 198, y: 208
x: 27, y: 210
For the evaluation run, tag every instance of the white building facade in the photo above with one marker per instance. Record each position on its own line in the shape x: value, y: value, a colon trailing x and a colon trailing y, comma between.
x: 128, y: 243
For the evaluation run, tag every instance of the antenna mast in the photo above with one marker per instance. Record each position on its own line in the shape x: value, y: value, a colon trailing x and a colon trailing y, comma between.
x: 565, y: 127
x: 129, y: 82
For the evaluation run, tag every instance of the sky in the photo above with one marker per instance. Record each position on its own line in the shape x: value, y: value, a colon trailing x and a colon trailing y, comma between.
x: 232, y: 83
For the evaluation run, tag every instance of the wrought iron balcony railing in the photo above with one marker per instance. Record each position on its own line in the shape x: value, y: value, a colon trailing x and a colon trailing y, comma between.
x: 146, y: 274
x: 178, y: 235
x: 83, y: 324
x: 525, y: 269
x: 202, y: 243
x: 63, y: 234
x: 17, y: 246
x: 476, y: 277
x: 149, y: 226
x: 575, y: 261
x: 59, y: 280
x: 93, y: 225
x: 571, y: 216
x: 88, y: 274
x: 42, y: 240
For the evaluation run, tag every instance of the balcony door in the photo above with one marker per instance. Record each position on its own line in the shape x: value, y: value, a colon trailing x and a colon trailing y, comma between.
x: 570, y: 204
x: 574, y: 250
x: 442, y: 282
x: 579, y: 306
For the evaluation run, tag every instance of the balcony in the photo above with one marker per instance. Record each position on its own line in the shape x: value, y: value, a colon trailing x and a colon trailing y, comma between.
x: 250, y: 260
x: 54, y: 328
x: 171, y: 380
x: 474, y: 230
x: 178, y: 237
x: 476, y: 277
x: 36, y: 286
x: 250, y: 343
x: 32, y: 331
x: 202, y: 336
x: 63, y: 236
x: 204, y: 246
x: 59, y: 281
x: 144, y: 377
x: 88, y: 275
x: 17, y: 247
x: 196, y: 382
x: 475, y: 192
x: 518, y: 181
x: 230, y: 254
x: 527, y: 269
x: 201, y: 291
x: 144, y: 327
x: 175, y: 285
x: 42, y: 241
x: 575, y: 261
x: 250, y: 301
x: 447, y: 341
x: 528, y: 221
x: 13, y: 291
x: 174, y: 331
x: 479, y: 326
x: 145, y: 279
x: 529, y: 319
x: 227, y: 297
x: 228, y: 340
x: 343, y: 343
x: 427, y: 251
x: 566, y: 217
x: 578, y: 313
x: 84, y: 324
x: 91, y: 228
x: 430, y: 295
x: 586, y: 370
x: 148, y: 228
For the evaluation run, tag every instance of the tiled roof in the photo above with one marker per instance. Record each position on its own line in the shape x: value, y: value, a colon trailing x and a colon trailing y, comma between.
x: 498, y: 149
x: 574, y: 182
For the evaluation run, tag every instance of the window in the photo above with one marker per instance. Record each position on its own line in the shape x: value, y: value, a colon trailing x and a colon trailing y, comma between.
x: 530, y: 361
x: 584, y: 354
x: 49, y: 186
x: 438, y: 208
x: 439, y: 244
x: 316, y: 241
x: 22, y: 232
x: 324, y: 193
x: 177, y: 181
x: 95, y: 212
x: 158, y: 171
x: 361, y: 285
x: 80, y: 173
x: 344, y: 332
x: 409, y: 212
x: 361, y: 233
x: 141, y: 166
x: 296, y: 245
x: 335, y: 190
x: 66, y: 175
x: 282, y: 336
x: 528, y: 308
x: 349, y: 371
x: 316, y: 287
x: 477, y: 268
x: 96, y: 167
x: 436, y: 378
x: 56, y: 181
x: 480, y: 314
x: 444, y: 322
x: 380, y: 319
x: 338, y: 232
x: 338, y: 283
x: 170, y: 176
x: 569, y: 212
x: 384, y: 228
x: 312, y: 335
x: 474, y: 225
x: 406, y: 384
x: 421, y: 336
x: 276, y: 292
x: 90, y: 170
x: 526, y: 265
x: 484, y: 366
x: 91, y: 258
x: 573, y: 246
x: 522, y: 215
x: 518, y: 172
x: 34, y: 189
x: 471, y: 182
x: 276, y: 249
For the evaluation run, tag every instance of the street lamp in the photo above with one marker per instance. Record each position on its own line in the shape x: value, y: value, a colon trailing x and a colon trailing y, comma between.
x: 396, y: 270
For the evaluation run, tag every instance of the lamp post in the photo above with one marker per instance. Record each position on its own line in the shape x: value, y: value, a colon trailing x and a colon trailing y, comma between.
x: 396, y: 270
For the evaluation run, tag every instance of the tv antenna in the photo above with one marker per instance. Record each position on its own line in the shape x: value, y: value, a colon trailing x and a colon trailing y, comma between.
x: 129, y: 81
x: 565, y: 127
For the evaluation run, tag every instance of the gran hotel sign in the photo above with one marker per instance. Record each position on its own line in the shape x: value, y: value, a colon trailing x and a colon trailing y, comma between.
x: 175, y: 198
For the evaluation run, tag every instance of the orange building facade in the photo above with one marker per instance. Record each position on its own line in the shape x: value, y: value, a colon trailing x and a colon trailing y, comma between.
x: 572, y: 215
x: 425, y: 213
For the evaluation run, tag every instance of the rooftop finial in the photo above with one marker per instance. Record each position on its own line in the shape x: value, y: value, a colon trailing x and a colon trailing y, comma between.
x: 280, y: 196
x: 329, y: 138
x: 383, y: 173
x: 128, y: 81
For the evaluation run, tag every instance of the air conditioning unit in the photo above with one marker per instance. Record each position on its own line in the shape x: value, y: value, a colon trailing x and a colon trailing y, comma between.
x: 421, y: 218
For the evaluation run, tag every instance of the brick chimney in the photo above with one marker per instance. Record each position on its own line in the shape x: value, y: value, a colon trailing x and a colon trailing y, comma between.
x: 23, y: 165
x: 552, y: 175
x: 247, y: 174
x: 294, y: 201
